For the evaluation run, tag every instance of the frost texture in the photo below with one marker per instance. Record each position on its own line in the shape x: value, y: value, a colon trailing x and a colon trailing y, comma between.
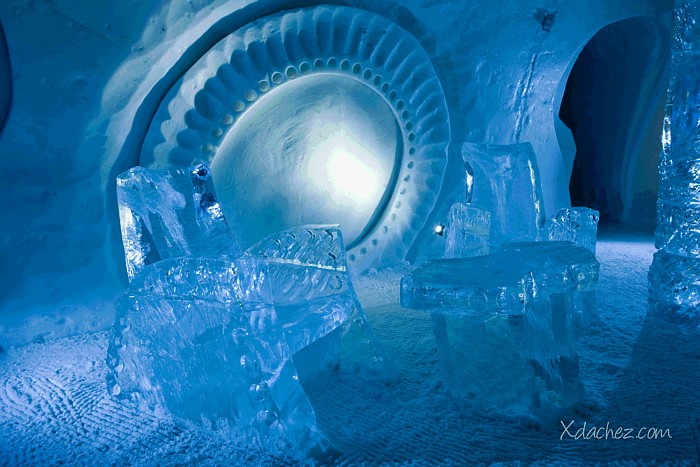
x: 318, y: 246
x: 170, y: 214
x: 315, y: 300
x: 673, y: 290
x: 507, y: 183
x: 201, y: 338
x: 467, y: 232
x: 509, y: 320
x: 578, y: 225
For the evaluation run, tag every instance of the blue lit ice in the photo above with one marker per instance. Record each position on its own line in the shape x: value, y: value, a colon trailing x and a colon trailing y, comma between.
x: 674, y: 290
x: 213, y: 212
x: 510, y: 320
x: 201, y: 338
x: 506, y: 182
x: 578, y: 225
x: 468, y: 232
x: 169, y: 214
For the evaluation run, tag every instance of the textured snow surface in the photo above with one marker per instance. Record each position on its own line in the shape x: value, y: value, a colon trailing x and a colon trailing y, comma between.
x: 54, y: 407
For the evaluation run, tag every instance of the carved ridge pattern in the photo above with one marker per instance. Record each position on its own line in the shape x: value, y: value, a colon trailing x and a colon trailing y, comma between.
x: 200, y: 109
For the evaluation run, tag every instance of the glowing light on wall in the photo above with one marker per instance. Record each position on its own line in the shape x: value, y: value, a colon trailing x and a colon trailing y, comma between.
x: 322, y: 148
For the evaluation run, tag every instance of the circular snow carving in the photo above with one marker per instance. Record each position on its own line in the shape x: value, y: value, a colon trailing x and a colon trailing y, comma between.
x: 319, y: 115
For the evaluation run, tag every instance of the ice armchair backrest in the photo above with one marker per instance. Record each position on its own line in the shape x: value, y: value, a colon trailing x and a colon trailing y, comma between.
x: 170, y: 214
x: 506, y: 182
x: 468, y: 232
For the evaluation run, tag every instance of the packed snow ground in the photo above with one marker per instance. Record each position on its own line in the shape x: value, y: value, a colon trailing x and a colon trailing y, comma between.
x: 54, y: 408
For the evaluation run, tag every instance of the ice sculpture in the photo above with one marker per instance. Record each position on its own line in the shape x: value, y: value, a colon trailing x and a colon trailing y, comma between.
x: 315, y: 300
x: 506, y: 323
x: 673, y: 278
x: 229, y: 341
x: 201, y: 337
x: 578, y: 225
x: 170, y: 214
x: 506, y: 182
x: 467, y: 232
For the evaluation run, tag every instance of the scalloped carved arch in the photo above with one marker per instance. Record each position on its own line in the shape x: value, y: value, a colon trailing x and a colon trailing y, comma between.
x: 230, y: 81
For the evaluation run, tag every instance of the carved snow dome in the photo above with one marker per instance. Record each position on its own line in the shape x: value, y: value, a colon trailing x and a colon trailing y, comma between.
x: 317, y: 115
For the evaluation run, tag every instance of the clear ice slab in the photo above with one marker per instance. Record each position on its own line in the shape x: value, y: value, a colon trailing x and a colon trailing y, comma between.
x: 509, y: 320
x: 467, y: 232
x: 578, y: 225
x: 171, y: 214
x: 506, y: 182
x: 497, y: 282
x: 201, y: 338
x: 315, y: 301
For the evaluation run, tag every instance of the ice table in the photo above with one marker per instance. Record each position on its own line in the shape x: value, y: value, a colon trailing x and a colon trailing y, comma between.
x: 506, y: 323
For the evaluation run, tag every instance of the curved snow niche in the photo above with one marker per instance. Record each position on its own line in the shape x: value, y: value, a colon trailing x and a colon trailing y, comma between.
x: 318, y: 115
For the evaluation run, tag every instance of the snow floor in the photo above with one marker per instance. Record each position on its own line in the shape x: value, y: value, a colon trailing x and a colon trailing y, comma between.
x: 54, y: 408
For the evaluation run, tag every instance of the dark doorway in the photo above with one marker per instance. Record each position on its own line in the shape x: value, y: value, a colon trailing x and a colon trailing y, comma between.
x: 613, y: 104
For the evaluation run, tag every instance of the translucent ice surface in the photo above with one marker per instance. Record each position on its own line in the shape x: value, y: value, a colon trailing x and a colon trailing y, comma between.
x: 578, y: 225
x: 170, y: 214
x: 201, y: 337
x: 507, y: 183
x: 673, y: 284
x: 509, y: 320
x: 675, y: 292
x: 318, y: 246
x: 485, y: 363
x: 497, y: 282
x: 315, y: 300
x: 467, y: 232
